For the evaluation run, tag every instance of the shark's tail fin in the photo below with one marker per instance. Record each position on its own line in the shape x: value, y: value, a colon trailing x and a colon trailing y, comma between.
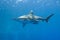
x: 48, y: 17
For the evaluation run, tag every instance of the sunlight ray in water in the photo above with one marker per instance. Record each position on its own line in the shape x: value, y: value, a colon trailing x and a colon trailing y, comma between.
x: 17, y: 1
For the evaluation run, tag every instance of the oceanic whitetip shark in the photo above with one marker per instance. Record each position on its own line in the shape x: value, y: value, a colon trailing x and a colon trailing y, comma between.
x: 31, y: 18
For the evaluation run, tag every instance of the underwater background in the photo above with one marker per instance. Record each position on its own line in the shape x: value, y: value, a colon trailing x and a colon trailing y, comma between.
x: 13, y: 30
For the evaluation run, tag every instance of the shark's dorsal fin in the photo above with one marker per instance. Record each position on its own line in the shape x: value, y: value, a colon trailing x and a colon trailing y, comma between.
x: 31, y: 12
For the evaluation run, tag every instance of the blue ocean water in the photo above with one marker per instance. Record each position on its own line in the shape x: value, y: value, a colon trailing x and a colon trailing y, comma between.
x: 13, y: 30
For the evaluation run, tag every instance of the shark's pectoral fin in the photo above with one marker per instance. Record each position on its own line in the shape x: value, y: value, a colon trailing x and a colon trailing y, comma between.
x: 24, y: 23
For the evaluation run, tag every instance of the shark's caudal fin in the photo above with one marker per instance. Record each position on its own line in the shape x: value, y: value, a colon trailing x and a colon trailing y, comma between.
x: 48, y: 17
